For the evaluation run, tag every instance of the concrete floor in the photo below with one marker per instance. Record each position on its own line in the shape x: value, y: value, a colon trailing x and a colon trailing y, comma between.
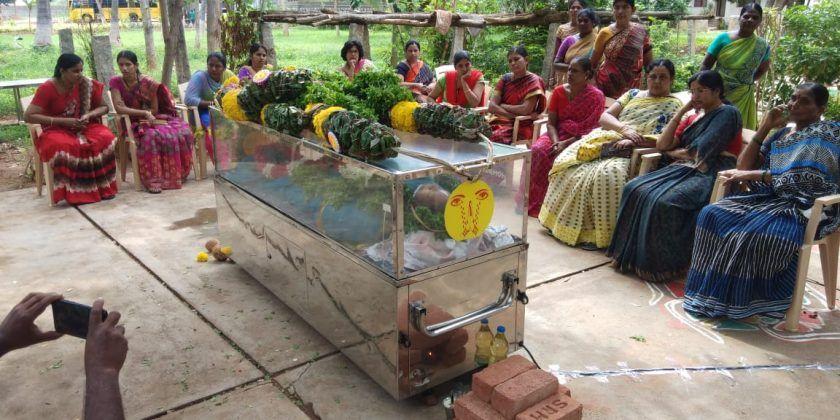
x: 208, y: 341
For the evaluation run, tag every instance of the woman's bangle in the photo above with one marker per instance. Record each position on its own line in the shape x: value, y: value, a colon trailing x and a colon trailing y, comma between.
x: 51, y: 121
x: 765, y: 174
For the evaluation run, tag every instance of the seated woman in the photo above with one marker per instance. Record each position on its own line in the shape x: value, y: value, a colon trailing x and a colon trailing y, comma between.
x: 658, y: 211
x: 202, y: 88
x: 164, y: 141
x: 746, y: 246
x: 572, y: 113
x: 257, y: 60
x: 353, y: 54
x: 577, y: 45
x: 518, y: 93
x: 463, y: 86
x: 79, y: 149
x: 414, y: 73
x: 585, y: 182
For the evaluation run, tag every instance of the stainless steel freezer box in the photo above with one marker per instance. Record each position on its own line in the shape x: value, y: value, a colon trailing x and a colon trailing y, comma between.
x: 349, y: 247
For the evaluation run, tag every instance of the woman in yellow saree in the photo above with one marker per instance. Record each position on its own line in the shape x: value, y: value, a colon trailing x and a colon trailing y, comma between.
x: 741, y: 57
x: 585, y: 182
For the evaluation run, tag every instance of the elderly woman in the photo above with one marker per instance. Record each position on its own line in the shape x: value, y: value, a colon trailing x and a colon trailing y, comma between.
x: 353, y: 54
x: 257, y: 60
x: 658, y: 211
x: 577, y: 45
x: 626, y: 51
x: 564, y: 31
x: 518, y: 93
x: 746, y: 246
x: 202, y: 88
x: 742, y: 58
x: 414, y: 73
x: 573, y: 112
x: 463, y: 86
x: 79, y: 150
x: 585, y: 183
x: 164, y: 141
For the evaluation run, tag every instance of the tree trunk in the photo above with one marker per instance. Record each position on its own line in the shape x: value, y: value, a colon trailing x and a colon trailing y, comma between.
x: 101, y: 13
x: 214, y: 29
x: 149, y: 35
x: 176, y: 34
x: 43, y: 30
x: 168, y: 43
x: 337, y: 28
x: 102, y: 59
x: 115, y: 23
x: 265, y: 34
x: 199, y: 17
x: 362, y: 34
x: 65, y: 41
x: 548, y: 61
x: 285, y: 26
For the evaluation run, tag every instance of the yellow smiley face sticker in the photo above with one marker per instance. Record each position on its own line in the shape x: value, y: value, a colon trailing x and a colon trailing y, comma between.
x: 468, y: 210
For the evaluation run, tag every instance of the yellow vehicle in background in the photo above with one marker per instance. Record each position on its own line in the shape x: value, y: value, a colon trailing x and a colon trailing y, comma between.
x: 129, y: 10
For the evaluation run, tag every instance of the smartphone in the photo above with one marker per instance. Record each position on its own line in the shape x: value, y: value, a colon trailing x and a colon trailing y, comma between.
x: 72, y: 318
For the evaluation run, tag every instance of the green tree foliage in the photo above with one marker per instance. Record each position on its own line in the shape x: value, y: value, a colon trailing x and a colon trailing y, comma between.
x: 239, y: 31
x: 805, y: 45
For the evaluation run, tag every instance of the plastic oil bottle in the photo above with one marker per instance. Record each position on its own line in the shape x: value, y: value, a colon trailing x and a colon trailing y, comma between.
x: 499, y: 348
x: 483, y: 341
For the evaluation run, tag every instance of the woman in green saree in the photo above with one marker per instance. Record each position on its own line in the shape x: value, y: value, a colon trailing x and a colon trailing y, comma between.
x: 741, y: 57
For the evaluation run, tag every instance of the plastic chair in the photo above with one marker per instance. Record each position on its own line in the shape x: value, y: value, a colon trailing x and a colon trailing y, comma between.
x: 200, y: 164
x: 43, y: 170
x: 829, y: 250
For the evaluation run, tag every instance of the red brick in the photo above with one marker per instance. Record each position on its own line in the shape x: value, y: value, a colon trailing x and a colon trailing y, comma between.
x: 470, y: 407
x: 517, y: 394
x: 556, y: 407
x: 483, y: 382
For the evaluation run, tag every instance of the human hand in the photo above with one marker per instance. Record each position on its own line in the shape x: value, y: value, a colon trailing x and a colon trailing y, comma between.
x: 777, y: 117
x: 149, y: 116
x: 74, y: 123
x: 679, y: 154
x: 630, y: 134
x: 736, y: 175
x: 18, y: 329
x: 688, y: 107
x: 624, y: 144
x: 106, y: 346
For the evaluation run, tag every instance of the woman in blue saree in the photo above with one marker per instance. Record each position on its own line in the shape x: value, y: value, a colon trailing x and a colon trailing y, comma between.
x: 657, y: 214
x: 746, y: 246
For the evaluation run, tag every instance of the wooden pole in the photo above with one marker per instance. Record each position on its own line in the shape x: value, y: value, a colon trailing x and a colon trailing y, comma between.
x: 457, y: 42
x: 65, y: 41
x: 692, y: 36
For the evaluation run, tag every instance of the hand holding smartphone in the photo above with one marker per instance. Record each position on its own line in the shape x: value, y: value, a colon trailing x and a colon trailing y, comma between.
x: 72, y: 318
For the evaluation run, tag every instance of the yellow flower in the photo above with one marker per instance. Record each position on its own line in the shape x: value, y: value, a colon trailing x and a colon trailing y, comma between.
x: 289, y: 68
x: 402, y: 116
x: 232, y: 80
x: 202, y: 257
x: 320, y: 117
x: 310, y: 106
x: 227, y: 250
x: 231, y: 108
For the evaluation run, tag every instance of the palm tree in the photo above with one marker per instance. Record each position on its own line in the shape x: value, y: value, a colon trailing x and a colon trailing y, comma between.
x: 43, y: 30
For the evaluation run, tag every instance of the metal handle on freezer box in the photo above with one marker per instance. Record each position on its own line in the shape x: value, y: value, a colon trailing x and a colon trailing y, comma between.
x: 505, y: 300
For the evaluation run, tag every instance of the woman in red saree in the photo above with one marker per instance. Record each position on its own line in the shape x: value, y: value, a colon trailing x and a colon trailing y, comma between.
x: 414, y: 73
x: 463, y: 86
x: 626, y: 50
x: 573, y: 112
x: 79, y: 150
x: 164, y: 141
x: 518, y: 93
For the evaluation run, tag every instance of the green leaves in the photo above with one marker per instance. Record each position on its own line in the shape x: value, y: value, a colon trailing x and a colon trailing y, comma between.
x: 450, y: 122
x: 381, y: 90
x: 361, y: 138
x: 286, y: 119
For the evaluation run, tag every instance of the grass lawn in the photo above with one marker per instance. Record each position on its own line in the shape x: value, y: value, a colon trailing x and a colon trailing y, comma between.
x: 313, y: 48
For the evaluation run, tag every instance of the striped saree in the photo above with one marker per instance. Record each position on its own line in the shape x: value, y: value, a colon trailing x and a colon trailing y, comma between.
x: 746, y: 247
